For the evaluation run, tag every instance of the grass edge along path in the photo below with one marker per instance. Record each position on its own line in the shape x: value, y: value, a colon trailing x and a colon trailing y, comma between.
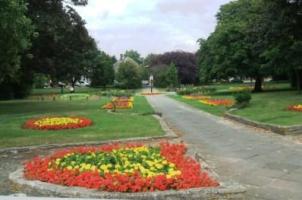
x: 266, y: 107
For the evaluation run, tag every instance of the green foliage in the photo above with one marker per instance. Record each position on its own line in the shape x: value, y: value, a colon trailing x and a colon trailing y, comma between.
x: 242, y: 98
x: 190, y: 90
x: 62, y: 48
x: 144, y: 73
x: 102, y: 74
x: 133, y: 55
x: 252, y: 40
x: 15, y: 31
x: 160, y: 77
x: 118, y: 93
x: 128, y: 74
x: 172, y: 76
x: 40, y: 80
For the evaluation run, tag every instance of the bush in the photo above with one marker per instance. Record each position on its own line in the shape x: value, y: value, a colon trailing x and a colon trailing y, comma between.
x: 242, y: 99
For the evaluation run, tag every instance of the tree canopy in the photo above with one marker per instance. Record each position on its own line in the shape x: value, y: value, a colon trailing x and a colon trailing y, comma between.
x: 251, y: 40
x: 185, y: 63
x: 16, y: 30
x: 128, y: 74
x: 134, y: 55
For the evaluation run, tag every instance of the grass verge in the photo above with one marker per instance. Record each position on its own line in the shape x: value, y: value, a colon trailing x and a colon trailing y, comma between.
x: 123, y: 124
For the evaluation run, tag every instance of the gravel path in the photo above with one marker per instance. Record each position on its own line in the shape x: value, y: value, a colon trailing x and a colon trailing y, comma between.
x: 267, y: 164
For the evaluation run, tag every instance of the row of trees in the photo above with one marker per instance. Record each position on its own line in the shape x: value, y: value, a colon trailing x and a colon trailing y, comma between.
x: 169, y: 69
x: 254, y: 39
x: 47, y: 38
x: 165, y: 67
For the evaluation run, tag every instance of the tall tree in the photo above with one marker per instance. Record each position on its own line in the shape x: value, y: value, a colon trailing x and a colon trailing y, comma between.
x: 252, y: 39
x: 15, y: 31
x: 128, y: 74
x: 63, y: 48
x: 185, y: 63
x: 102, y: 73
x: 134, y: 55
x: 172, y: 76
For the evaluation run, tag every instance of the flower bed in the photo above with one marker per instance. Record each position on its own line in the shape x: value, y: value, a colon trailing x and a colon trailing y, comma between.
x: 218, y: 102
x: 121, y: 168
x: 57, y: 123
x: 196, y: 97
x: 120, y: 103
x: 297, y: 108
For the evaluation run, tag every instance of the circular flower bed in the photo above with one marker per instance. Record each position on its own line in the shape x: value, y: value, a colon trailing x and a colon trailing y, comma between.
x: 57, y: 123
x: 120, y: 103
x: 121, y: 168
x: 297, y: 108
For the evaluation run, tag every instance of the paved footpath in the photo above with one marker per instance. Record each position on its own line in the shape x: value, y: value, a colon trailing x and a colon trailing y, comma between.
x: 267, y: 164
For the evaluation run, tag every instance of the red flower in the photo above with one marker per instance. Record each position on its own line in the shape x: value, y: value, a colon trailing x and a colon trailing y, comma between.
x: 191, y: 174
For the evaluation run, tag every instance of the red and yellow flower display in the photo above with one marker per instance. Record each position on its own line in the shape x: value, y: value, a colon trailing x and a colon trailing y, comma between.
x: 121, y: 168
x: 196, y: 97
x: 120, y: 103
x: 57, y: 123
x: 218, y: 102
x: 297, y: 108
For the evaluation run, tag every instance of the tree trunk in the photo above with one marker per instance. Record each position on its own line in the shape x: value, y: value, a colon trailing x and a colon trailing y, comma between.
x: 258, y: 84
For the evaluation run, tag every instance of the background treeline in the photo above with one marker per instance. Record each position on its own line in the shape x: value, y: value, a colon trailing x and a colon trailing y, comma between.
x: 254, y: 39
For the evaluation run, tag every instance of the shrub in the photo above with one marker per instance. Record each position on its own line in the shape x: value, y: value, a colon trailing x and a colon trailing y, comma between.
x: 242, y: 99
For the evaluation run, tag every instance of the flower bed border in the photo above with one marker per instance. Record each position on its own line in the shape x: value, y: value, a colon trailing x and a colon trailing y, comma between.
x: 282, y: 130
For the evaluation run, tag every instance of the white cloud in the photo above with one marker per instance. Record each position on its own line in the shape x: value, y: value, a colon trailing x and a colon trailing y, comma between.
x: 149, y: 26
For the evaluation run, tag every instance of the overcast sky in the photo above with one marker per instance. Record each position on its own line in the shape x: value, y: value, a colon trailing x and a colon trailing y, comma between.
x: 149, y: 26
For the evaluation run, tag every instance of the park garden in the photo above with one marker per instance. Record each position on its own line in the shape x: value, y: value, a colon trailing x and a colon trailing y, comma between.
x: 84, y: 118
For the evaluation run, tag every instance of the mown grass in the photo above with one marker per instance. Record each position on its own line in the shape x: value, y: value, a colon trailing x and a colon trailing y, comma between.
x: 269, y: 106
x: 215, y: 110
x: 122, y: 124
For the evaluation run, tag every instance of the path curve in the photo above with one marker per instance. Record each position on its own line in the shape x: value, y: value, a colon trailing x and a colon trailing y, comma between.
x: 269, y: 166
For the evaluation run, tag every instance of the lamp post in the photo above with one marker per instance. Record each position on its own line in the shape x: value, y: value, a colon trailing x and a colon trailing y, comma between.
x: 151, y: 82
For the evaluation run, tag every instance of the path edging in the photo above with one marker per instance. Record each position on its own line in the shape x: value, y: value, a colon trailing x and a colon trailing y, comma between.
x: 282, y: 130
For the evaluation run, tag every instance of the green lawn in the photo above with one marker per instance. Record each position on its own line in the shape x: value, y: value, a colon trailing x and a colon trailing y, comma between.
x: 271, y: 107
x: 268, y: 107
x: 123, y: 124
x: 47, y: 91
x: 215, y: 110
